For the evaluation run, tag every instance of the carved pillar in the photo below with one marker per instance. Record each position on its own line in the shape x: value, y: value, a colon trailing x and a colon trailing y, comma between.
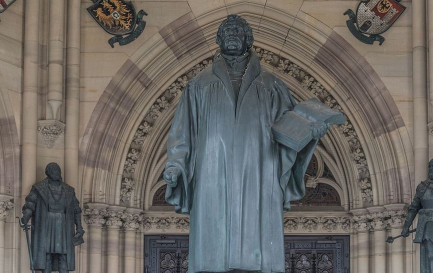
x: 94, y: 216
x: 362, y: 227
x: 379, y: 225
x: 72, y: 93
x: 56, y: 58
x: 419, y: 83
x: 5, y: 206
x: 29, y: 112
x: 397, y: 249
x: 131, y: 224
x: 113, y: 223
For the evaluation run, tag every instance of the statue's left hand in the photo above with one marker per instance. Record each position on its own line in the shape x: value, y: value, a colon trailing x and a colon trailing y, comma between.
x: 319, y: 129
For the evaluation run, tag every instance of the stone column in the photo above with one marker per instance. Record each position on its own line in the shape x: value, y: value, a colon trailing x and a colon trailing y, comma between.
x: 396, y: 214
x: 362, y: 227
x: 131, y: 224
x: 94, y: 216
x: 419, y: 82
x: 113, y: 223
x: 29, y: 113
x: 379, y: 225
x: 72, y: 93
x: 55, y: 57
x: 5, y: 206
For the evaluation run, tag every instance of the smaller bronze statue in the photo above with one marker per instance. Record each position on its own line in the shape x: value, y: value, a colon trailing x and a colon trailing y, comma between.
x: 423, y: 205
x: 56, y: 223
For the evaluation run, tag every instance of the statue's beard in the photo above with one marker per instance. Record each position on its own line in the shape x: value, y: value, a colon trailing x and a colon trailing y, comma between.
x: 233, y: 46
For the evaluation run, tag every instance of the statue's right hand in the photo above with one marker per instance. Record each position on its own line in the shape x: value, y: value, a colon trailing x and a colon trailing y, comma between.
x: 24, y: 220
x: 171, y: 174
x: 405, y: 232
x: 27, y: 214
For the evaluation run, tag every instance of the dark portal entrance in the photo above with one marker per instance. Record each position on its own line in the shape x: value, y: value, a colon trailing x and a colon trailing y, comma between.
x: 304, y: 254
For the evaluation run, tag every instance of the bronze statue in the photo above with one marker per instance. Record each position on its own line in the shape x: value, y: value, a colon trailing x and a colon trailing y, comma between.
x: 422, y: 205
x: 56, y: 223
x: 223, y: 166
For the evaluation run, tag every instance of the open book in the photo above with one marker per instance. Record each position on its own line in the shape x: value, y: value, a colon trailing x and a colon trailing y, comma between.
x: 294, y: 129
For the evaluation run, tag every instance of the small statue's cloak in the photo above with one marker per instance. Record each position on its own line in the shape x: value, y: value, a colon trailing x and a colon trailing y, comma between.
x: 236, y: 181
x: 37, y: 201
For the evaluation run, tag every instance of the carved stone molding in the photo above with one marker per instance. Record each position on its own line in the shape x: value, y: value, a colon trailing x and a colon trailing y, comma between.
x: 166, y: 223
x: 104, y: 215
x: 396, y: 215
x: 379, y: 218
x: 132, y: 219
x: 305, y: 79
x: 6, y: 205
x: 317, y: 224
x: 114, y: 217
x: 49, y: 131
x: 95, y: 214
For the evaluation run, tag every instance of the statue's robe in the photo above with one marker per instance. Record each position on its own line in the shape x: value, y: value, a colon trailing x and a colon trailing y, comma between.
x: 236, y: 181
x: 422, y: 204
x: 37, y: 201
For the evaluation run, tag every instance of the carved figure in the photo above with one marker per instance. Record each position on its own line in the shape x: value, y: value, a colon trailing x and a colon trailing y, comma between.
x: 56, y: 222
x: 223, y: 166
x: 422, y: 205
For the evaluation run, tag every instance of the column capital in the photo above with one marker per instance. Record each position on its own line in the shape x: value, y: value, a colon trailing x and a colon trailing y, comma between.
x: 95, y: 213
x: 114, y: 217
x: 6, y: 205
x: 396, y: 214
x: 132, y: 218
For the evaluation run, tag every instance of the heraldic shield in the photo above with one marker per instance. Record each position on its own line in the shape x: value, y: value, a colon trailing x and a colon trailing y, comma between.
x: 118, y: 17
x: 4, y: 4
x: 372, y: 18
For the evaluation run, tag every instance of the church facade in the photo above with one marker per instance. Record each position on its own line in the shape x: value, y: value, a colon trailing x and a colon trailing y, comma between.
x: 102, y: 111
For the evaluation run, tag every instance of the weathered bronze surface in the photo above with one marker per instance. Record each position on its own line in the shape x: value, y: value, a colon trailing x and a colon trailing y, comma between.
x: 223, y: 166
x: 56, y: 222
x: 422, y: 205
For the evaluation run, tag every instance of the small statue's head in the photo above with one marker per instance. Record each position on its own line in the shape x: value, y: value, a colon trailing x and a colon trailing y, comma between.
x: 234, y: 36
x: 53, y: 171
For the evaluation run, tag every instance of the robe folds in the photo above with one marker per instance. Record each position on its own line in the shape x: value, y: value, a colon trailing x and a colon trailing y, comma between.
x: 38, y: 202
x: 235, y: 180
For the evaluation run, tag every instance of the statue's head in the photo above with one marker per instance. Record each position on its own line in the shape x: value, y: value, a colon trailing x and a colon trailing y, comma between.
x: 53, y: 171
x: 430, y: 170
x: 234, y: 36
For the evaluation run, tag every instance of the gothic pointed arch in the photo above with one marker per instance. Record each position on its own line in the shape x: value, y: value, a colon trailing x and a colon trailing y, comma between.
x: 123, y: 148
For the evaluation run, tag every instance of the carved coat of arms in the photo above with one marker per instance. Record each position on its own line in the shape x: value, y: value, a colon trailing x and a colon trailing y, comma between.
x: 372, y: 18
x: 4, y: 4
x: 118, y: 18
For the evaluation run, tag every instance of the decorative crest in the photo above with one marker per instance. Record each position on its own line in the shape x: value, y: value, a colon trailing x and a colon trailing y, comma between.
x: 118, y: 18
x: 372, y: 18
x: 4, y: 4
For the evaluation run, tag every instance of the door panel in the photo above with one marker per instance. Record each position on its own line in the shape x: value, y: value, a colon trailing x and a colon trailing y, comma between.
x: 304, y: 254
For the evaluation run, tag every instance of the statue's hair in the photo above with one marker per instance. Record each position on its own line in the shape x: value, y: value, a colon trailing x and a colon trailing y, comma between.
x: 51, y: 168
x: 236, y: 18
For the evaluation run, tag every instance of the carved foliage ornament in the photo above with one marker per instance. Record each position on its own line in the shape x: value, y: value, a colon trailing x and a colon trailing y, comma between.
x: 5, y: 207
x: 306, y: 80
x: 50, y: 131
x: 118, y: 18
